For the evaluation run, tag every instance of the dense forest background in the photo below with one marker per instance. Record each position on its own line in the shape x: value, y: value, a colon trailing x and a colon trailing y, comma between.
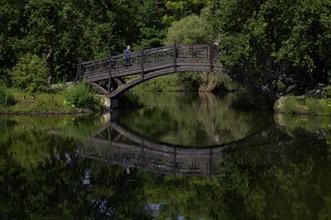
x: 262, y: 37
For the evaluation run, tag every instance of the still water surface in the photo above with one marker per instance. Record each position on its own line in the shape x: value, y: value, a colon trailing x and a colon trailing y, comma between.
x: 183, y: 156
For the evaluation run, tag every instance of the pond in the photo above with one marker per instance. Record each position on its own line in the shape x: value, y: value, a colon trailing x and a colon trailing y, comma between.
x: 182, y: 156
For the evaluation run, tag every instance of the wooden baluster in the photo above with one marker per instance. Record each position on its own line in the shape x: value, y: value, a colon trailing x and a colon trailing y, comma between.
x: 109, y: 71
x: 142, y: 62
x: 175, y: 56
x: 79, y: 72
x: 211, y: 170
x: 211, y: 55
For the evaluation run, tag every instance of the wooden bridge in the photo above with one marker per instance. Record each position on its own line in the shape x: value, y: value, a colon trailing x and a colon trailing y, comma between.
x: 107, y: 74
x: 147, y: 64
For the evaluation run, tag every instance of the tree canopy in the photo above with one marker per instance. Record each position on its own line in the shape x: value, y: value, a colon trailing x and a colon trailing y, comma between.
x: 265, y: 36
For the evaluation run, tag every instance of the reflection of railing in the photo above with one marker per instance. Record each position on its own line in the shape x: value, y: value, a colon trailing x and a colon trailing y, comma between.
x: 161, y: 158
x: 167, y: 160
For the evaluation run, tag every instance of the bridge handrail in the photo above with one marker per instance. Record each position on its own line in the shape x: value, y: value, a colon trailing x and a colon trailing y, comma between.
x: 194, y: 54
x: 157, y: 50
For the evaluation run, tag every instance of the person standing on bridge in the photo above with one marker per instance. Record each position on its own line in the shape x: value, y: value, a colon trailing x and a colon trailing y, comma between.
x: 126, y: 57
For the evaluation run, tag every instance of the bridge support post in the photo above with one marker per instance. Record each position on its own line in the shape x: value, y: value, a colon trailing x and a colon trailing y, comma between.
x: 211, y: 170
x: 211, y: 55
x: 142, y: 155
x: 79, y: 72
x: 175, y: 164
x: 142, y: 63
x: 110, y: 86
x: 175, y: 55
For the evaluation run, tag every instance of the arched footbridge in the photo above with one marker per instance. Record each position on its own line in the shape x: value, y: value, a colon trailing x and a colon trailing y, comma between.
x: 107, y: 74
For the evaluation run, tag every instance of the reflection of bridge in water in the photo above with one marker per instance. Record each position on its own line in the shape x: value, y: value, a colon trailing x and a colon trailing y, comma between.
x: 118, y: 145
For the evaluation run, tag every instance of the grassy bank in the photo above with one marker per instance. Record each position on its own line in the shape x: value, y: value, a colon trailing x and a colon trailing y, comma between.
x: 310, y: 104
x: 51, y: 102
x: 75, y: 99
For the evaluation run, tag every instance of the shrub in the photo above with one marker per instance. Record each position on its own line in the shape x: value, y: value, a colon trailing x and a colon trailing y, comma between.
x: 326, y: 103
x: 190, y: 81
x: 314, y: 106
x: 81, y: 96
x: 6, y: 97
x: 30, y: 74
x: 290, y: 105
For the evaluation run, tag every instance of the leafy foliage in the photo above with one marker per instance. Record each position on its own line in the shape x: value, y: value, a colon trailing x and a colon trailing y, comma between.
x: 290, y: 105
x: 6, y: 96
x: 190, y: 81
x: 192, y: 29
x: 181, y: 8
x: 164, y: 83
x: 274, y: 37
x: 12, y: 20
x: 300, y: 105
x: 81, y: 96
x: 269, y: 37
x: 30, y: 74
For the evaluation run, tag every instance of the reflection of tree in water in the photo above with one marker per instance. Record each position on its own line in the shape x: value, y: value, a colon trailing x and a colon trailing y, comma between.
x: 279, y: 177
x: 153, y: 114
x: 61, y: 189
x: 184, y: 198
x: 286, y: 180
x: 192, y: 120
x: 42, y: 176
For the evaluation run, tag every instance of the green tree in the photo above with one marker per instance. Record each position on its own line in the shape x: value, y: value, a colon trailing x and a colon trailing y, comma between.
x: 151, y: 30
x: 30, y: 73
x: 68, y: 30
x: 192, y: 29
x: 12, y: 20
x: 178, y: 9
x: 195, y: 29
x: 274, y: 37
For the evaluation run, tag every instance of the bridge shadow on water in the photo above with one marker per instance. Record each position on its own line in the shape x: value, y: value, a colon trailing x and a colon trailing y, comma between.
x: 119, y: 145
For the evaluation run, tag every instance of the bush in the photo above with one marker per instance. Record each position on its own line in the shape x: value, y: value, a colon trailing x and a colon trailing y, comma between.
x: 81, y: 96
x: 6, y: 97
x: 314, y: 106
x: 189, y: 80
x: 30, y: 74
x: 290, y: 105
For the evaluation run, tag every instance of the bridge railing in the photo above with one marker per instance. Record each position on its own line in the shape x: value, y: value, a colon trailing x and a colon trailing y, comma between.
x: 148, y: 60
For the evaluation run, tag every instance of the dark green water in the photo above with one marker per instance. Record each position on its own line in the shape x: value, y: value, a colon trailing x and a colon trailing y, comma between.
x: 183, y: 156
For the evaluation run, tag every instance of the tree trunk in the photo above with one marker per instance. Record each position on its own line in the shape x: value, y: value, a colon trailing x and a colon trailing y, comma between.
x: 50, y: 64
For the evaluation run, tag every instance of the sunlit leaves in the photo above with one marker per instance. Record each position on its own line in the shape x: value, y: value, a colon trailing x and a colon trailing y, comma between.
x: 30, y: 73
x: 189, y: 30
x: 293, y: 33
